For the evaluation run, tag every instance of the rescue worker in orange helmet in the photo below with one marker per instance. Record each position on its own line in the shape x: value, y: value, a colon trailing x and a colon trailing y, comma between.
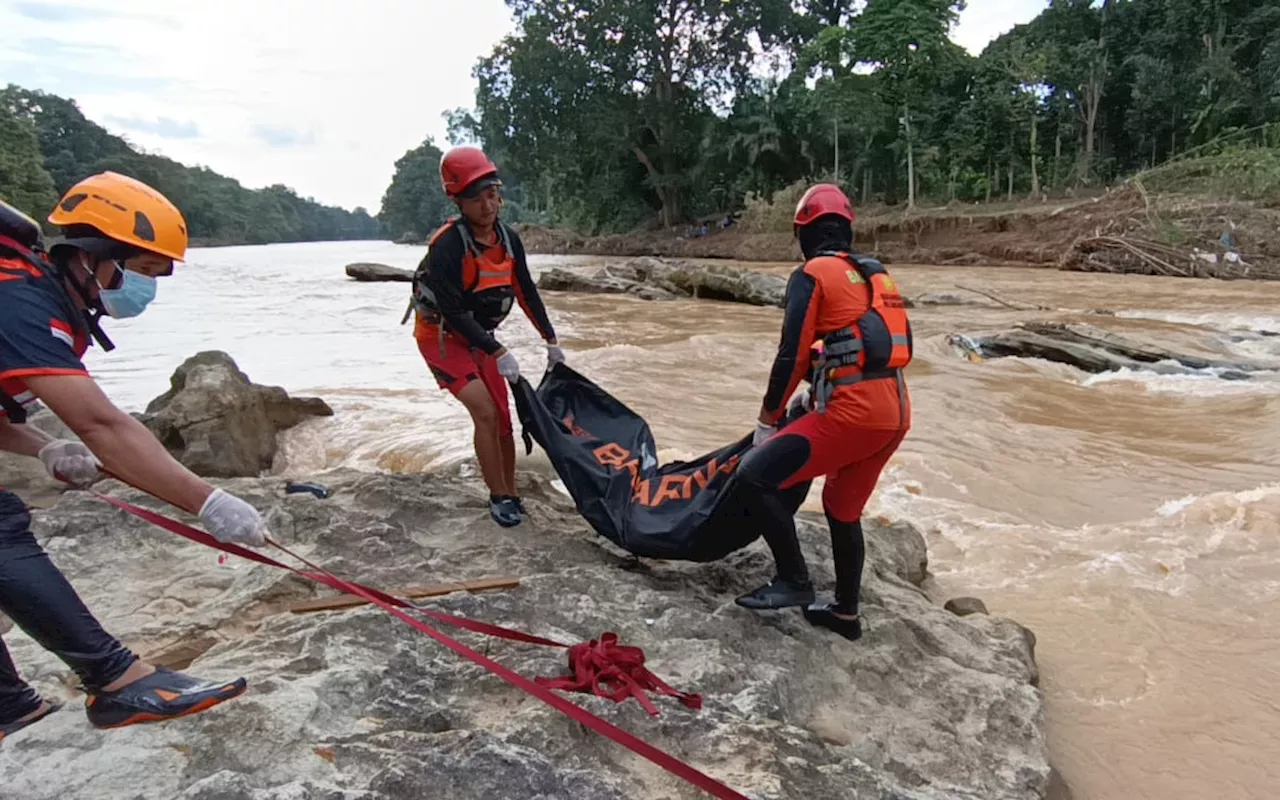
x: 474, y: 270
x: 119, y: 236
x: 846, y: 328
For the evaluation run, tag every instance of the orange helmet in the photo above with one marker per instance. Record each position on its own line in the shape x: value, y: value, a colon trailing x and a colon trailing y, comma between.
x: 821, y: 199
x: 462, y: 169
x: 126, y: 210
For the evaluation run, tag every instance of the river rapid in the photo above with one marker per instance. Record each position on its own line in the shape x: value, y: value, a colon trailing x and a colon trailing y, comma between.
x: 1129, y: 519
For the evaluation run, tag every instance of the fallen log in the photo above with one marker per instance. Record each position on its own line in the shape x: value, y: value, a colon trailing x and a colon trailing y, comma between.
x: 343, y: 601
x: 368, y: 272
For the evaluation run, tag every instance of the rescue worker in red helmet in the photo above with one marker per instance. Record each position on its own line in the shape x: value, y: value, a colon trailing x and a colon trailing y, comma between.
x: 846, y: 329
x: 119, y: 236
x: 474, y: 270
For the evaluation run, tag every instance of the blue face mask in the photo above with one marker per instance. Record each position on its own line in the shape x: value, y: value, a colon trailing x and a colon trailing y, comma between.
x: 135, y: 292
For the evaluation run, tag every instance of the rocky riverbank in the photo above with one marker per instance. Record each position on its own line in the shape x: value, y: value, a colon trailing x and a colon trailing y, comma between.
x: 1126, y: 229
x: 353, y: 704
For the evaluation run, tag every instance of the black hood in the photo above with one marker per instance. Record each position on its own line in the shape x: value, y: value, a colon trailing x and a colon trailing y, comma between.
x: 827, y: 232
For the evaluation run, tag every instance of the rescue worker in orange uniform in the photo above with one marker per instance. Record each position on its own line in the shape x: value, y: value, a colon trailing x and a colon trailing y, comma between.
x: 120, y: 235
x: 474, y: 270
x: 846, y: 329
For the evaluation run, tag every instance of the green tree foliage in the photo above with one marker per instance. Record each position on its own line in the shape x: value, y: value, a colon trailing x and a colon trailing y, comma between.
x: 24, y: 182
x: 607, y: 115
x: 415, y: 202
x: 218, y: 209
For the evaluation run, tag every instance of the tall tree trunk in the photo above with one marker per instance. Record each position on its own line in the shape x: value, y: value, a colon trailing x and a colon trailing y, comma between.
x: 1035, y: 174
x: 993, y: 177
x: 1012, y: 156
x: 1092, y: 98
x: 664, y: 194
x: 911, y: 159
x: 835, y: 130
x: 1057, y: 157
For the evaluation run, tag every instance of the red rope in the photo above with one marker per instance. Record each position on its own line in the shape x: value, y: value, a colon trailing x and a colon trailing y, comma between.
x: 597, y: 664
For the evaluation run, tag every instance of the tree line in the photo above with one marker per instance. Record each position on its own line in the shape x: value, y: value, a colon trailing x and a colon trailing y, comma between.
x: 47, y: 145
x: 606, y: 115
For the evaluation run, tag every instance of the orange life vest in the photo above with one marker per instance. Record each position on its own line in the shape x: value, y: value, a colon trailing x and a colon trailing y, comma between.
x: 488, y: 287
x: 876, y: 345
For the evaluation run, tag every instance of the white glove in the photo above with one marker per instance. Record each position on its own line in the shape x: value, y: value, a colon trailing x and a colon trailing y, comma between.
x: 508, y: 367
x: 227, y: 518
x: 70, y: 461
x: 762, y: 432
x: 799, y: 401
x: 554, y: 355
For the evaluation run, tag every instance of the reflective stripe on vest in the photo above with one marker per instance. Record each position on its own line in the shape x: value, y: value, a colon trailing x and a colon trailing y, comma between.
x: 877, y: 345
x: 488, y: 275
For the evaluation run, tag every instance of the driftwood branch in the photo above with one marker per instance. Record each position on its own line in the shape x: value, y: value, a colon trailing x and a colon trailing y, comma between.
x: 1005, y: 303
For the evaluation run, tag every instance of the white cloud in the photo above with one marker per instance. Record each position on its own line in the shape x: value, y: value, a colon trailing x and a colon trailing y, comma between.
x: 321, y: 97
x: 984, y: 20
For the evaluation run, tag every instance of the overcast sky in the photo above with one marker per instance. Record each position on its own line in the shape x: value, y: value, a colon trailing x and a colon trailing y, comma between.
x: 319, y: 96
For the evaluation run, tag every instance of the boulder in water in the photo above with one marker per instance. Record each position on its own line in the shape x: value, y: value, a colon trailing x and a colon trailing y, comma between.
x: 964, y: 606
x: 354, y: 704
x: 218, y: 423
x: 661, y: 279
x: 369, y: 272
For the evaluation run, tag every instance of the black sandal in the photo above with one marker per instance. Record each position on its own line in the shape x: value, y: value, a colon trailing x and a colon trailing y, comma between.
x: 13, y: 727
x: 824, y: 616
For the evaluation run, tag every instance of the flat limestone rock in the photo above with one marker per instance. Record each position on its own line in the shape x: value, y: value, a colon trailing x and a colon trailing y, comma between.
x: 355, y: 705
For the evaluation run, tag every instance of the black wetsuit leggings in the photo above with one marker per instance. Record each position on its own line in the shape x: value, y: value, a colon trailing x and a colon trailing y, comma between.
x: 40, y: 601
x: 762, y: 472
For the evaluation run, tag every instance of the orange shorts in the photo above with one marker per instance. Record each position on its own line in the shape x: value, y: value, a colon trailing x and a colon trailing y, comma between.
x: 459, y: 365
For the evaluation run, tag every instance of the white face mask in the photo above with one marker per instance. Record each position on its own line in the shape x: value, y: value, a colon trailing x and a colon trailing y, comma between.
x: 131, y: 299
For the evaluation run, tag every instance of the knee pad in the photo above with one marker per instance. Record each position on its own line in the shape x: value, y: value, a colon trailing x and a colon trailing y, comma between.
x: 768, y: 466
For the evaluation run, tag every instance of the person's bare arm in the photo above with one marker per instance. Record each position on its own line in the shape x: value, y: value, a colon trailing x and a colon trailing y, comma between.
x: 124, y: 445
x: 25, y: 440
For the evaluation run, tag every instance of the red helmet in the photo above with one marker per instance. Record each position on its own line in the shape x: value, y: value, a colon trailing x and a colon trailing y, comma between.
x: 463, y: 167
x: 820, y: 199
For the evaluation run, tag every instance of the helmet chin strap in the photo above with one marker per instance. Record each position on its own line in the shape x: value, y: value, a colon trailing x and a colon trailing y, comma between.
x: 93, y: 310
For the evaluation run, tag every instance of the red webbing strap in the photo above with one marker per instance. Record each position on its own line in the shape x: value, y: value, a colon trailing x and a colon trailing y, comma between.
x: 320, y: 575
x: 392, y: 606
